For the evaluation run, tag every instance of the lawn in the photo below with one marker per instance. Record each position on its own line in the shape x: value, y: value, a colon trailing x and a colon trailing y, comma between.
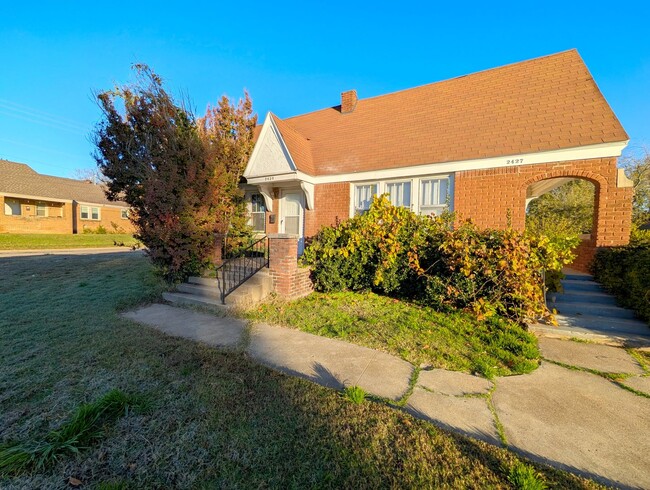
x: 418, y: 334
x: 52, y: 241
x: 214, y: 419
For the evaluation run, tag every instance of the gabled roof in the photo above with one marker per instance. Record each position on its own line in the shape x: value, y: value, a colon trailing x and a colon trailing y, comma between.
x: 544, y: 104
x: 297, y: 144
x: 20, y: 179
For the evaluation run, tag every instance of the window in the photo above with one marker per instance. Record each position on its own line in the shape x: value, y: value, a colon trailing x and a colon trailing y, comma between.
x: 399, y: 193
x: 433, y: 195
x: 124, y: 214
x: 258, y: 213
x: 41, y: 210
x: 90, y: 212
x: 363, y: 197
x: 12, y: 207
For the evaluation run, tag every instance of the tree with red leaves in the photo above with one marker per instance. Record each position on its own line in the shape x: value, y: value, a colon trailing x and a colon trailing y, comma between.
x: 178, y: 174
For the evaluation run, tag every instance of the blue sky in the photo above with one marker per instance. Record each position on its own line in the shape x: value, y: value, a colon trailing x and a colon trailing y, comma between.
x: 293, y: 57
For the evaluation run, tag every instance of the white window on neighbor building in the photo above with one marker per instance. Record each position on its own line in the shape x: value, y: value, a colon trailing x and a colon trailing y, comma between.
x: 41, y: 210
x: 258, y: 213
x: 90, y: 213
x: 399, y: 193
x: 12, y: 207
x: 363, y: 195
x: 124, y: 214
x: 433, y: 195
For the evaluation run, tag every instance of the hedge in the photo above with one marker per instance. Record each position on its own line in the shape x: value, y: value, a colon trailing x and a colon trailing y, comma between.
x: 625, y: 272
x: 436, y: 261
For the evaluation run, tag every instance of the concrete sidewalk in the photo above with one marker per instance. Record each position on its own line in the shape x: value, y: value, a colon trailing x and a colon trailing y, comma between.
x: 563, y: 414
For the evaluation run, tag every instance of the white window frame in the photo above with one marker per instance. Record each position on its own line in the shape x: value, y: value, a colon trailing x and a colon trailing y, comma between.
x: 89, y: 213
x: 10, y: 205
x: 42, y: 206
x: 416, y: 183
x: 251, y: 221
x: 353, y: 201
x: 124, y: 214
x: 386, y: 183
x: 439, y: 208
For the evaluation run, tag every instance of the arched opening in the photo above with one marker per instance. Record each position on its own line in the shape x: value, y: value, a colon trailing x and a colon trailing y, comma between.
x: 565, y: 206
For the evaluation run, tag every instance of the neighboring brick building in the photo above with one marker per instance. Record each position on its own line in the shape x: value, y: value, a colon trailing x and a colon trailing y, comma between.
x: 36, y: 203
x: 483, y: 144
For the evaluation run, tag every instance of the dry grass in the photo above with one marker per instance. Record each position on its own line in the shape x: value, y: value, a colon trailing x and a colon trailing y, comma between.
x: 216, y: 420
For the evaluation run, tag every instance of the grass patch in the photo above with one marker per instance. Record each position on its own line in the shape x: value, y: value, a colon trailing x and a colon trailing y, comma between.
x: 525, y: 477
x: 420, y: 335
x: 354, y: 394
x: 84, y: 428
x: 643, y: 358
x: 54, y: 241
x: 216, y: 419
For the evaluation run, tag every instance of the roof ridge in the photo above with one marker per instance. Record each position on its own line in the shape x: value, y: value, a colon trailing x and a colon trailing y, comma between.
x: 299, y: 145
x: 493, y: 69
x: 289, y: 126
x: 18, y: 163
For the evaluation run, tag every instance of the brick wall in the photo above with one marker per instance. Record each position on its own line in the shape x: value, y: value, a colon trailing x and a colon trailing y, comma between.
x: 110, y: 218
x: 332, y: 203
x: 289, y: 280
x: 487, y: 196
x: 58, y: 219
x: 585, y: 252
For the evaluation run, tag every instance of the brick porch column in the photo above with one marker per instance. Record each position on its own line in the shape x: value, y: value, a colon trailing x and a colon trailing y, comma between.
x: 218, y: 248
x: 289, y: 280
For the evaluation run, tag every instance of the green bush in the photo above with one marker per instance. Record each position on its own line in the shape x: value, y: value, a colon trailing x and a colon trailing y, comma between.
x: 371, y: 251
x: 639, y: 237
x: 625, y: 271
x: 396, y: 252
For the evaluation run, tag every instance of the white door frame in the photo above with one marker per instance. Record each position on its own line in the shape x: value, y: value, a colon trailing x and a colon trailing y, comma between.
x: 298, y: 192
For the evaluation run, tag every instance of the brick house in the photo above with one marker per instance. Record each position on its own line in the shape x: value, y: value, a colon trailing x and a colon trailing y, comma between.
x: 36, y: 203
x: 484, y: 144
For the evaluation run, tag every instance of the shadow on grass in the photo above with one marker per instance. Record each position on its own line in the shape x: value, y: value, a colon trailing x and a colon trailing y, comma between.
x: 217, y: 419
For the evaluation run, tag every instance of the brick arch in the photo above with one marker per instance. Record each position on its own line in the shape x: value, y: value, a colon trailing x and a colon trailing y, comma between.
x: 587, y: 247
x: 495, y: 197
x: 596, y: 179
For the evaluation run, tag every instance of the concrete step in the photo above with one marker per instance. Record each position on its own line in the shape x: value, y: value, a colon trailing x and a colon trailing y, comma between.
x: 206, y: 290
x: 212, y: 281
x: 605, y: 324
x: 582, y: 309
x: 578, y: 277
x: 580, y: 285
x: 190, y: 299
x: 581, y: 297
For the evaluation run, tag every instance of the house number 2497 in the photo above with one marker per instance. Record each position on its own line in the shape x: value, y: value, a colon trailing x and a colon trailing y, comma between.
x: 514, y: 161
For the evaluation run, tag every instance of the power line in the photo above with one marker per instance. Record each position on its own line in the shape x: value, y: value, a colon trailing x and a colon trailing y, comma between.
x: 39, y: 113
x: 41, y: 119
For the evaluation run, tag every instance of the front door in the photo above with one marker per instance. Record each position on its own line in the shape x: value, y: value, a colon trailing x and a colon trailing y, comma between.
x: 292, y: 216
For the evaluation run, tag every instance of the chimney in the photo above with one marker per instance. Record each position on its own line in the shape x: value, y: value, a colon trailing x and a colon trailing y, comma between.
x: 348, y: 101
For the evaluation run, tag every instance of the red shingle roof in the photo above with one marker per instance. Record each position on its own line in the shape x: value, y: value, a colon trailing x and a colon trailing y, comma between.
x: 543, y: 104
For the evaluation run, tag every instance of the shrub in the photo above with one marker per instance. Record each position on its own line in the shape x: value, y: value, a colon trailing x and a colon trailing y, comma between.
x: 639, y: 237
x: 625, y: 271
x: 394, y: 251
x: 371, y: 251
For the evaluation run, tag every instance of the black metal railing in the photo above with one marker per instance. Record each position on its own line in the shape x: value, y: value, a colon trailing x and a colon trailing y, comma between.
x: 241, y: 264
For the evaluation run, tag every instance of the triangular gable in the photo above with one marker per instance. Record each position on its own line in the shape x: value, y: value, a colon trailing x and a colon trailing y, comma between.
x: 270, y: 155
